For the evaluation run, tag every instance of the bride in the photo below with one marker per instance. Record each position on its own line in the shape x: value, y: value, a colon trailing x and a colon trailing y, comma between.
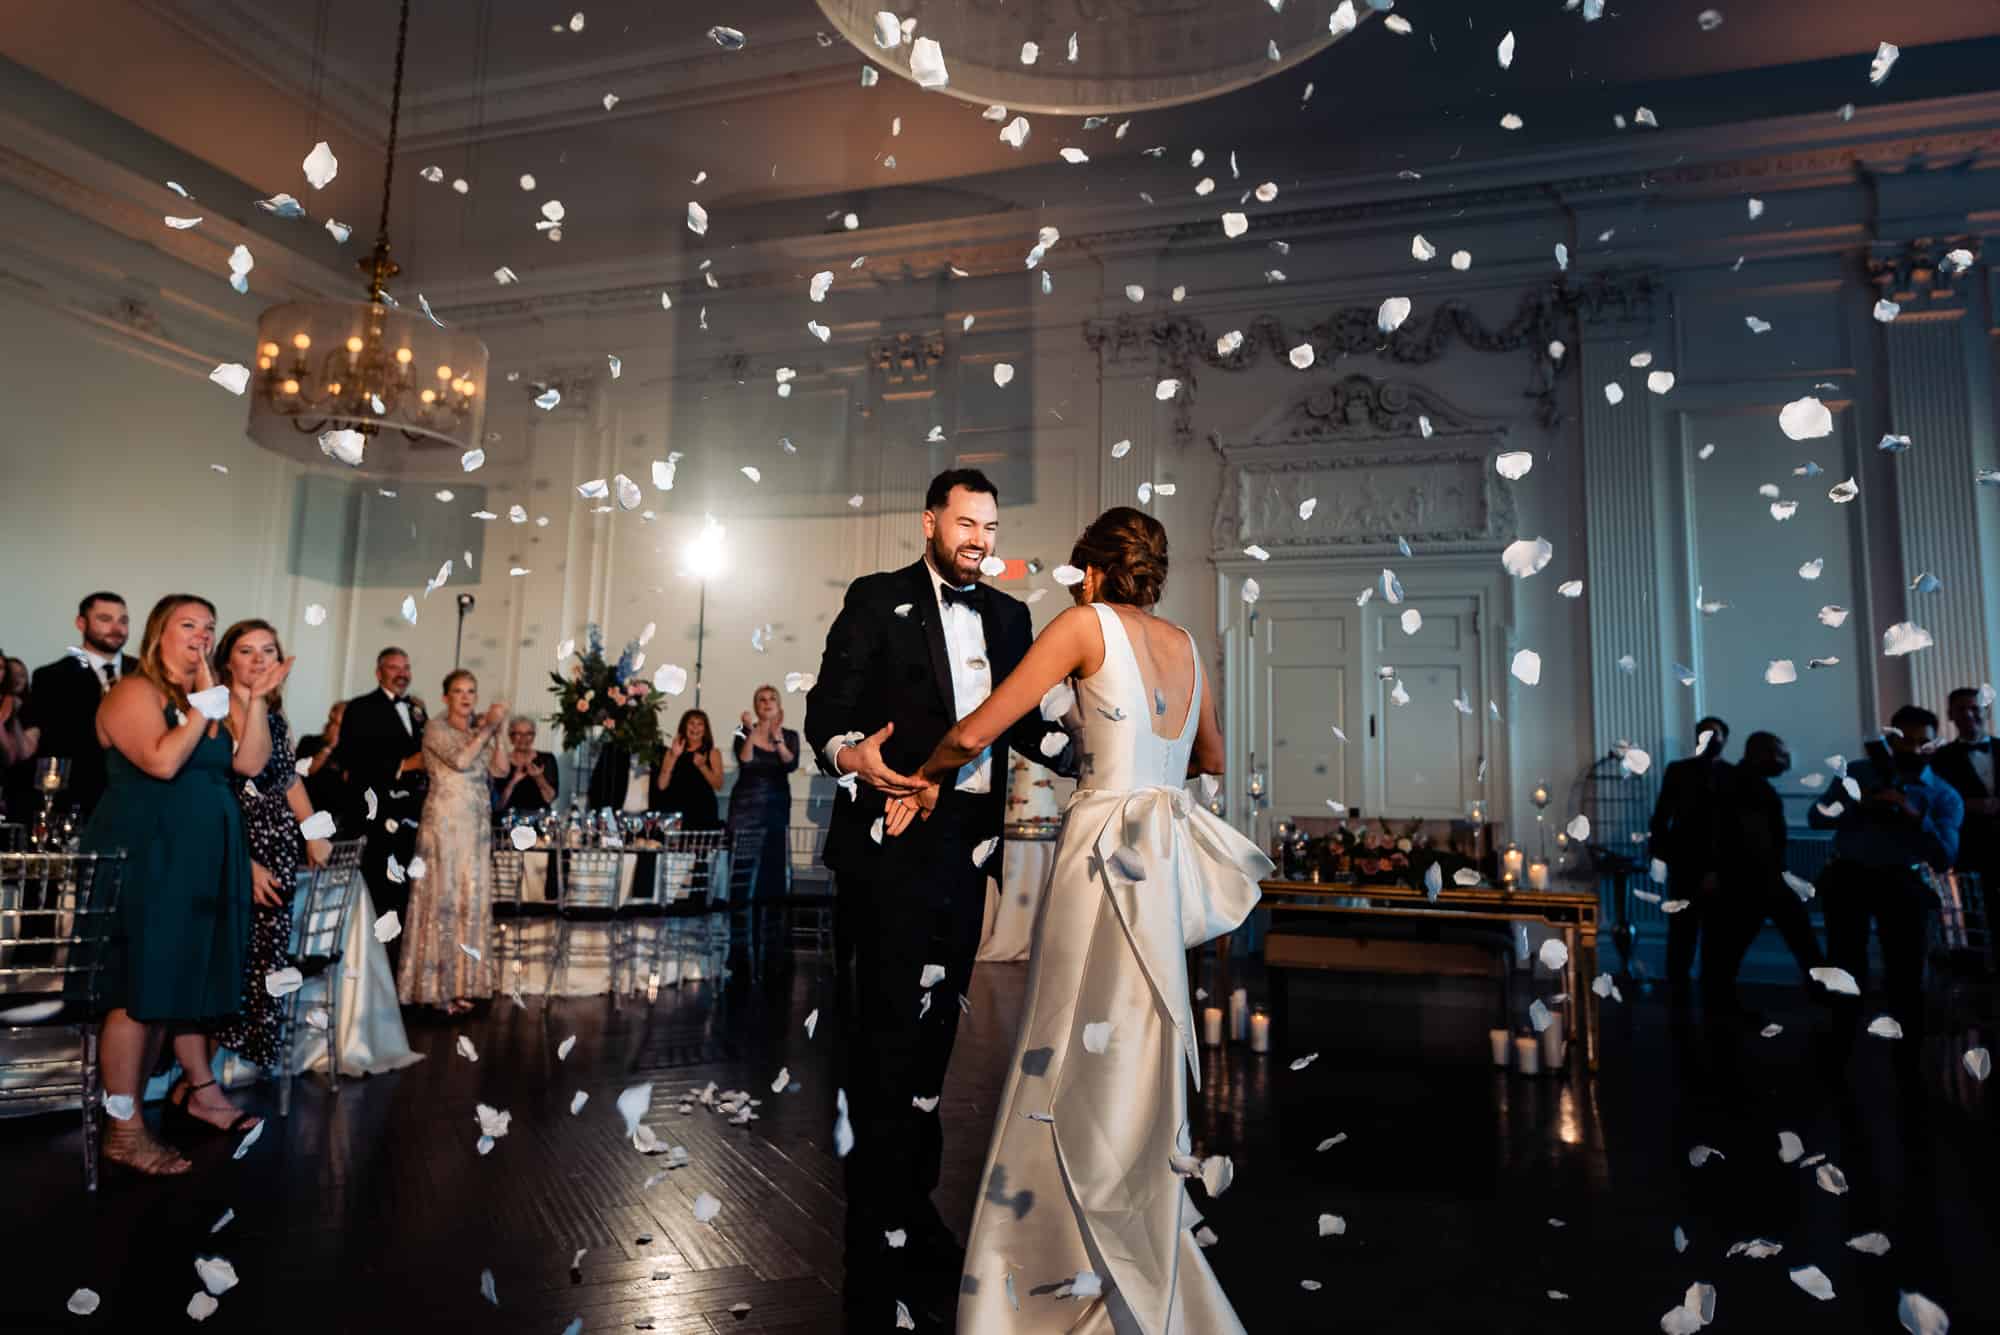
x: 1084, y: 1223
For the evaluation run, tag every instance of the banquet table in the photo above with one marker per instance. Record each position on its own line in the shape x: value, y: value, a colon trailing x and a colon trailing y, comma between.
x: 1027, y: 855
x: 589, y: 971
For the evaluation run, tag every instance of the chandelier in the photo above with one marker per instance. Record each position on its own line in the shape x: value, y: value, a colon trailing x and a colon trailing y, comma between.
x: 379, y: 389
x: 1097, y: 57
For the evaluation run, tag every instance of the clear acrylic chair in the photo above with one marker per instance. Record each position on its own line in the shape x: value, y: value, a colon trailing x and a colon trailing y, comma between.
x: 58, y: 913
x: 732, y: 902
x: 588, y: 882
x: 676, y: 909
x: 523, y: 928
x: 319, y: 941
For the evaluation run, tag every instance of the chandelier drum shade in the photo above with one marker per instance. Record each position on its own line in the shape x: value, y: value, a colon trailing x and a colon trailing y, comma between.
x: 365, y: 384
x: 415, y: 393
x: 1130, y: 55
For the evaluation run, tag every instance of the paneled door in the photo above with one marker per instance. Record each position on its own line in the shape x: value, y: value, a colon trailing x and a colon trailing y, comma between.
x: 1422, y: 755
x: 1306, y: 683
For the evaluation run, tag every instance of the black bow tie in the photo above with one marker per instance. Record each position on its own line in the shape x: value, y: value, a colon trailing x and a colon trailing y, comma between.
x: 972, y: 596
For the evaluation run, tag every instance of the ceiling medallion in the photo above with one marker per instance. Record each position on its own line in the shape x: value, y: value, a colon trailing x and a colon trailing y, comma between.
x: 1095, y: 57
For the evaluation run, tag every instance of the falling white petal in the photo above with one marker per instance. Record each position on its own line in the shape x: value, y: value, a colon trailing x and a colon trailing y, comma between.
x: 1527, y: 667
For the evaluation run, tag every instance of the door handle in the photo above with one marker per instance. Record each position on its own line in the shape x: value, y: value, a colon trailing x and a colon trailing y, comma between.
x: 1371, y: 725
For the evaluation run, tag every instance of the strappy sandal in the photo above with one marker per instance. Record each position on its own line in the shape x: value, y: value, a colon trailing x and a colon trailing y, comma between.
x: 178, y: 1112
x: 128, y: 1146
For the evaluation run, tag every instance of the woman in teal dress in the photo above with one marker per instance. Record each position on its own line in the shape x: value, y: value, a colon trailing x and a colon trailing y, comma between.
x: 176, y: 960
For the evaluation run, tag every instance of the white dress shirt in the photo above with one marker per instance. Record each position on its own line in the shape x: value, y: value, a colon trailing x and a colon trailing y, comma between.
x: 98, y: 663
x: 971, y: 675
x: 971, y: 683
x: 1981, y: 755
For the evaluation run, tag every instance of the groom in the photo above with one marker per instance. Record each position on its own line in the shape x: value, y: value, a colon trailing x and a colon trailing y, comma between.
x: 912, y: 652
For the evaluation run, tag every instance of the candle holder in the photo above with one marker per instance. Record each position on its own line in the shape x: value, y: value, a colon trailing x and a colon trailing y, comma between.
x: 1512, y: 863
x: 51, y: 781
x: 1541, y: 798
x: 1538, y: 874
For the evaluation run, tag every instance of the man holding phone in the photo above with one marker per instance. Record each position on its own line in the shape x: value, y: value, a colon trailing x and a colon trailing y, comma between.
x: 1904, y: 818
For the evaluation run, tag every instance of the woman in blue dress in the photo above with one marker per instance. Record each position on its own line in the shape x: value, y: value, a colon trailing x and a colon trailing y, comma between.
x: 766, y: 754
x: 175, y: 961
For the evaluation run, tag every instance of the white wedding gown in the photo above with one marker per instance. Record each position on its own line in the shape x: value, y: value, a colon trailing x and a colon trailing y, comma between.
x: 1081, y: 1175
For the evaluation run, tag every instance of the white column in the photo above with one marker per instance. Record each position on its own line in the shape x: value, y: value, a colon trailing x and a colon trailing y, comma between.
x: 1936, y: 389
x: 1621, y: 525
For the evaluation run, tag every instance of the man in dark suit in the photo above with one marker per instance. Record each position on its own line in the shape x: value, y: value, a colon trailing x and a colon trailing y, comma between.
x: 1751, y: 868
x: 912, y: 651
x: 1684, y: 834
x: 1971, y: 766
x: 61, y: 714
x: 381, y: 749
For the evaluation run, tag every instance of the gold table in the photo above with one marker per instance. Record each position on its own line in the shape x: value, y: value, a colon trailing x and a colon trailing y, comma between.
x: 1573, y: 913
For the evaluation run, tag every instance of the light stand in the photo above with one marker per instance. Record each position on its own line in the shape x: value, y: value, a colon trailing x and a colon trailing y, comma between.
x: 700, y: 636
x: 704, y: 556
x: 465, y: 604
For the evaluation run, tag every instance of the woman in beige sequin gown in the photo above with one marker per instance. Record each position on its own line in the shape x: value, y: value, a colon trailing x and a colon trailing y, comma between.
x: 449, y: 912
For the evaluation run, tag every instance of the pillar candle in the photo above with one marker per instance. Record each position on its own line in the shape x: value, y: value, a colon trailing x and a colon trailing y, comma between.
x: 1239, y: 1015
x: 1527, y: 1055
x: 1260, y: 1032
x: 1552, y: 1043
x: 1538, y: 875
x: 1211, y: 1026
x: 1499, y: 1038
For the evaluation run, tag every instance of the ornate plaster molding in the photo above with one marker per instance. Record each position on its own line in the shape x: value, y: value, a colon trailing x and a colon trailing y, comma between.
x: 1180, y: 346
x: 1357, y: 450
x: 1910, y: 272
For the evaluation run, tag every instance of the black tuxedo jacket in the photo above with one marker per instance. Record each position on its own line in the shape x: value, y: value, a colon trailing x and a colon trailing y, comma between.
x: 373, y: 744
x: 1687, y: 827
x: 883, y: 668
x: 1979, y: 836
x: 62, y: 701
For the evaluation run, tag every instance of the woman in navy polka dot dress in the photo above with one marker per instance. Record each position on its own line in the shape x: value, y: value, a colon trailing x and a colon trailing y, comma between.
x: 274, y: 805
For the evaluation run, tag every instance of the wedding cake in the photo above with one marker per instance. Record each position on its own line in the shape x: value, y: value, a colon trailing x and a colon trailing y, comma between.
x: 1031, y: 794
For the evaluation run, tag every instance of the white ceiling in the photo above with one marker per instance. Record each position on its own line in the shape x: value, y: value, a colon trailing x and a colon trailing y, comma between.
x: 787, y: 133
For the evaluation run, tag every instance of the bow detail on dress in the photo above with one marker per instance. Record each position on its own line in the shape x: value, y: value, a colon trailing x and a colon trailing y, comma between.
x: 1178, y: 875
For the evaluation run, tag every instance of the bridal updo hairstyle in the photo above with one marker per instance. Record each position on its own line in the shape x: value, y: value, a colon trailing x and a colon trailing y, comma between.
x: 1130, y: 547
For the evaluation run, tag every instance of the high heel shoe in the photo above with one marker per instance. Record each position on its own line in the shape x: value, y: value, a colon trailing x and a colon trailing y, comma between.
x: 183, y: 1118
x: 128, y: 1147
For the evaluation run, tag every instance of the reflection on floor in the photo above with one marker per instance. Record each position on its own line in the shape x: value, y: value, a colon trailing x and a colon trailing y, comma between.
x: 1472, y: 1198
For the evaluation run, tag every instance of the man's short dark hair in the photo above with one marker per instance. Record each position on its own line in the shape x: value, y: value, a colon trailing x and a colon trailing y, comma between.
x: 1911, y: 717
x: 1711, y: 724
x: 939, y: 493
x: 101, y: 596
x: 1960, y: 693
x: 391, y: 652
x: 1759, y: 740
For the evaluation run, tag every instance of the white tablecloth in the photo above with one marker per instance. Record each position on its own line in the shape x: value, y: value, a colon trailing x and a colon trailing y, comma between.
x: 1013, y: 901
x: 535, y: 874
x: 371, y: 1038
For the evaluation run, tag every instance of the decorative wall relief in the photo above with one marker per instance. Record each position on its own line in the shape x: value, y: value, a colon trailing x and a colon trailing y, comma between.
x: 1180, y: 345
x: 1356, y: 450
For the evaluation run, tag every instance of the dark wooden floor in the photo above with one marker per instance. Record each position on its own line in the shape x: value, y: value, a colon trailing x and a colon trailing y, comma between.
x: 1468, y: 1195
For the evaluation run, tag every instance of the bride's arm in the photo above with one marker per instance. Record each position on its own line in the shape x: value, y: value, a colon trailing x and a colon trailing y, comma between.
x: 1207, y: 755
x: 1058, y: 652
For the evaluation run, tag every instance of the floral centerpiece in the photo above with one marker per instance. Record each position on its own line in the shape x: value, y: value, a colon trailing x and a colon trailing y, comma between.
x: 601, y: 700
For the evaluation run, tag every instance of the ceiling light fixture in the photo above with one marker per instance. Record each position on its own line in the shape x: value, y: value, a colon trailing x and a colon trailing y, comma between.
x: 413, y: 390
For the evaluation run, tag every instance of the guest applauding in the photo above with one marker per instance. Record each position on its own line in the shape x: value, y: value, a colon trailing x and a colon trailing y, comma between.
x: 17, y: 748
x: 61, y: 716
x: 326, y: 785
x: 184, y: 912
x: 448, y: 914
x: 767, y: 751
x: 274, y: 806
x: 529, y: 779
x: 689, y: 775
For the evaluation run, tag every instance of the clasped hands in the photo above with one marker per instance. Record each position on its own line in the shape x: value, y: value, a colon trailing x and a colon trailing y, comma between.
x: 908, y: 797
